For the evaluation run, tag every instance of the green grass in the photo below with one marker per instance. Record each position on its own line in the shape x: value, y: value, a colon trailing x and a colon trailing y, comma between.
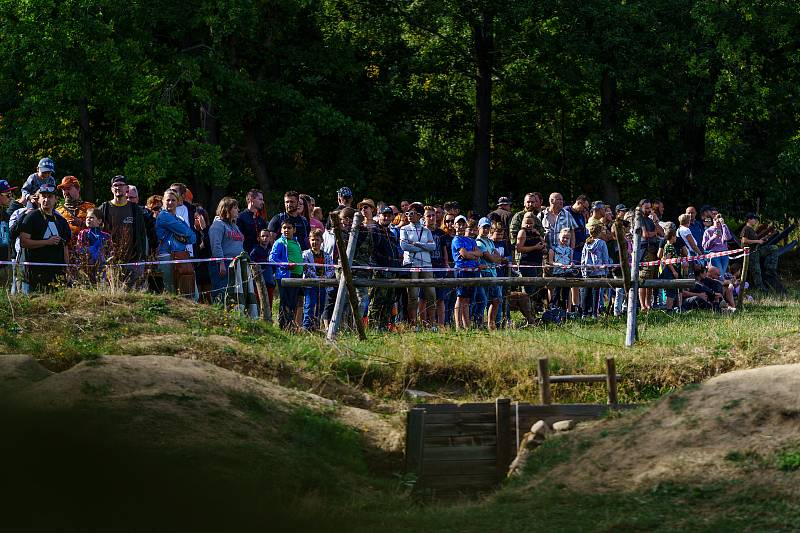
x: 63, y: 329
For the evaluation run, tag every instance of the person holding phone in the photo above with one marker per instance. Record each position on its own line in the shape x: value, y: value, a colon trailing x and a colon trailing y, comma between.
x: 45, y: 236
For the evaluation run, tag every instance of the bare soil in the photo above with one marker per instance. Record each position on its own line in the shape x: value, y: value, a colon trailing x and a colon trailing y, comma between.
x: 731, y: 426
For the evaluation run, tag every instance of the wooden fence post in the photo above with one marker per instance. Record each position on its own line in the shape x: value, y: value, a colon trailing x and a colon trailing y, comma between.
x: 743, y: 280
x: 611, y: 380
x: 502, y: 408
x: 544, y: 381
x: 631, y: 332
x: 415, y: 438
x: 346, y: 281
x: 624, y: 260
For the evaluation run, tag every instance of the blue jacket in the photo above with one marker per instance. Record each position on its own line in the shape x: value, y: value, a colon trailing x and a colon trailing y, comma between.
x: 595, y: 253
x: 173, y: 233
x: 280, y: 254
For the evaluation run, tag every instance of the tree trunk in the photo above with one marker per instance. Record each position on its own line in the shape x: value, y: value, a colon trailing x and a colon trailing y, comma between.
x: 256, y: 161
x: 484, y: 54
x: 85, y: 139
x: 608, y: 123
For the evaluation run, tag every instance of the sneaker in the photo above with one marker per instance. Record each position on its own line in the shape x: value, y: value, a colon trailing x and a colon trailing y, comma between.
x: 434, y: 329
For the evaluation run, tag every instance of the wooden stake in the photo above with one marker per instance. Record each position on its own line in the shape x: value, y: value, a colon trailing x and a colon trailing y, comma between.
x: 611, y: 380
x: 743, y: 279
x: 503, y: 432
x: 346, y: 280
x: 544, y: 381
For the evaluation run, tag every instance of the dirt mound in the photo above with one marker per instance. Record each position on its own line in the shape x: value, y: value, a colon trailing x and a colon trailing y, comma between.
x: 117, y: 442
x: 730, y: 426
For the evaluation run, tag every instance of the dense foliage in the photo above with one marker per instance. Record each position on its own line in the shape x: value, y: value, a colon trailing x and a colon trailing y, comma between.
x: 692, y: 101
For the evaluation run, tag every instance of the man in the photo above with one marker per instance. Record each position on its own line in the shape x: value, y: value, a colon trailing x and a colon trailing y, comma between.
x: 452, y: 208
x: 699, y: 296
x: 250, y: 221
x: 759, y: 252
x: 502, y: 213
x: 44, y: 237
x: 292, y: 214
x: 658, y: 214
x: 417, y: 243
x: 695, y: 225
x: 44, y: 174
x: 598, y: 218
x: 723, y: 289
x: 555, y: 218
x: 384, y: 254
x: 74, y: 208
x: 532, y: 204
x: 6, y: 195
x: 126, y: 224
x: 344, y: 198
x: 578, y: 210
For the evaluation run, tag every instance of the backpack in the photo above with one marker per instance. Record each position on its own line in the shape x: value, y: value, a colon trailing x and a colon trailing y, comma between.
x: 554, y: 315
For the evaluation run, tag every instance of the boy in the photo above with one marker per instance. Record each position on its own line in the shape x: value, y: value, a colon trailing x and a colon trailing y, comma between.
x: 94, y: 245
x: 318, y: 264
x: 466, y: 256
x: 260, y: 254
x: 287, y: 250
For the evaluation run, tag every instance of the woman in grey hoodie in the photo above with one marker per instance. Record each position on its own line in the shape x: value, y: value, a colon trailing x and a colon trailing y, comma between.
x: 226, y: 241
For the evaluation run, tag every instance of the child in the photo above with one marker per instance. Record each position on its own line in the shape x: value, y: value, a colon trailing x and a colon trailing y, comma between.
x: 490, y: 258
x: 668, y: 271
x: 466, y: 256
x: 560, y: 259
x: 314, y: 301
x: 287, y: 250
x: 260, y: 254
x: 595, y: 252
x: 93, y: 245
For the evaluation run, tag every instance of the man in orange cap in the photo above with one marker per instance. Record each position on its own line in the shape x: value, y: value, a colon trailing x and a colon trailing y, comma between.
x: 74, y: 208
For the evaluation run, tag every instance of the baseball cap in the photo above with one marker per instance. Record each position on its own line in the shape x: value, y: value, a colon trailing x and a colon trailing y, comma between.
x: 484, y: 222
x: 68, y: 181
x: 5, y: 187
x: 503, y: 200
x: 460, y: 218
x: 47, y: 189
x: 46, y: 164
x: 345, y: 192
x: 620, y: 207
x: 598, y: 204
x: 387, y: 211
x: 119, y: 179
x: 751, y: 216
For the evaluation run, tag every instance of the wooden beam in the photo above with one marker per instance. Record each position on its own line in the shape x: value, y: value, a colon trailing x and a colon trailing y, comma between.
x: 505, y: 282
x: 589, y: 378
x: 415, y: 438
x: 503, y: 430
x: 743, y: 279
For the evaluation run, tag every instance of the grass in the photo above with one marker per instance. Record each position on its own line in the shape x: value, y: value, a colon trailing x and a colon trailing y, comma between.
x: 63, y: 329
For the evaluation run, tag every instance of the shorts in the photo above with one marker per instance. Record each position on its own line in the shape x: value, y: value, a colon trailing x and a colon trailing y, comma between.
x: 442, y: 292
x: 466, y: 292
x: 649, y: 272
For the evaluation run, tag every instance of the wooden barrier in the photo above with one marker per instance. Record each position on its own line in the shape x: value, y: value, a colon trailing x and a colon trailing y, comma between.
x: 502, y: 281
x: 545, y: 379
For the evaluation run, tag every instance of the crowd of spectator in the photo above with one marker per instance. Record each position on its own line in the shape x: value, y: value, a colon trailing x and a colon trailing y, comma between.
x: 45, y: 243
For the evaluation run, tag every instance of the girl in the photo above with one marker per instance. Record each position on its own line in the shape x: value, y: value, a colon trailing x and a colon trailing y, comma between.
x: 668, y: 271
x: 560, y: 259
x: 94, y: 245
x: 227, y: 241
x: 595, y: 252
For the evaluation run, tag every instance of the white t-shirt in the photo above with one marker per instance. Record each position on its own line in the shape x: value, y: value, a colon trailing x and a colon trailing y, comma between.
x: 682, y: 232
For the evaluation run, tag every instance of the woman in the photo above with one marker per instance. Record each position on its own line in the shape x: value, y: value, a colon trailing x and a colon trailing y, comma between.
x: 227, y: 242
x: 174, y: 235
x: 308, y: 206
x: 715, y: 239
x: 202, y: 251
x: 531, y: 247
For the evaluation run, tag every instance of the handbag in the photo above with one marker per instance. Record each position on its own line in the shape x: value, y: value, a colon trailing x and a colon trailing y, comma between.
x: 183, y: 274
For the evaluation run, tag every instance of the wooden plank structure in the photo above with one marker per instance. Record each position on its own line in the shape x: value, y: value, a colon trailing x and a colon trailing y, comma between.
x: 469, y: 447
